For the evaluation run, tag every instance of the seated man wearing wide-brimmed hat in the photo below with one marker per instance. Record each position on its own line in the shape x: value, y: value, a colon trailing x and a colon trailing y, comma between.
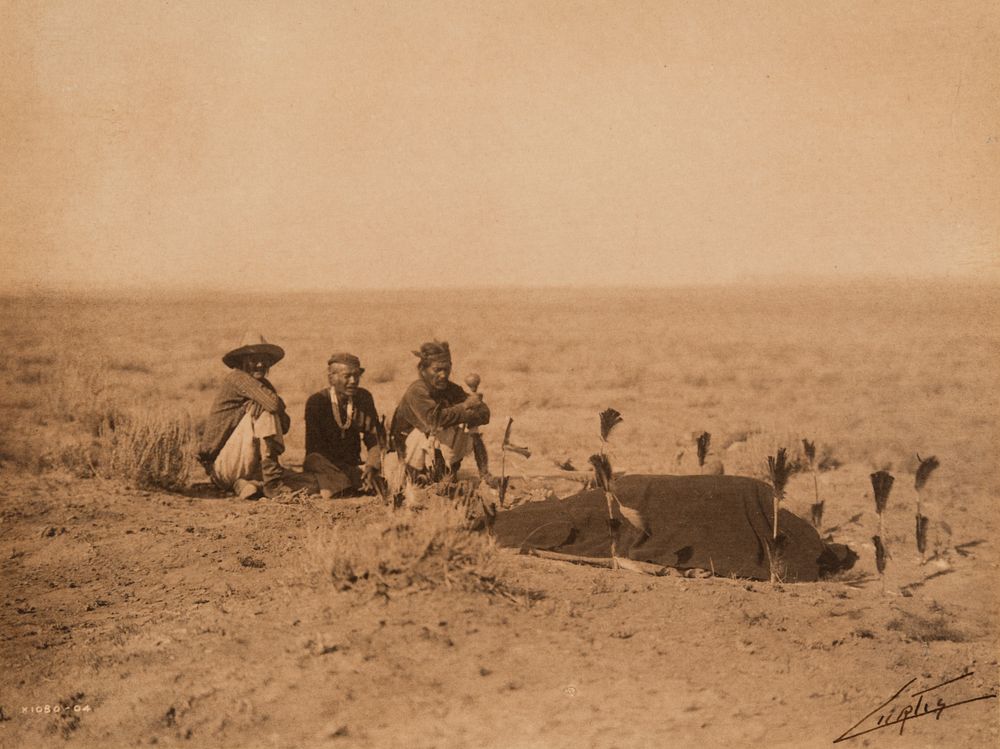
x: 432, y: 421
x: 338, y: 419
x: 244, y: 432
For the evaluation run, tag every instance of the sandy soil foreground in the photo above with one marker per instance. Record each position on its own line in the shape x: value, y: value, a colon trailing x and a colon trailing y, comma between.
x: 156, y: 619
x: 182, y: 619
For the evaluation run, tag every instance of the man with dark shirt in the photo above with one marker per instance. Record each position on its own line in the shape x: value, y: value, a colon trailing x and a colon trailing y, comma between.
x: 338, y: 420
x: 243, y: 435
x: 431, y: 423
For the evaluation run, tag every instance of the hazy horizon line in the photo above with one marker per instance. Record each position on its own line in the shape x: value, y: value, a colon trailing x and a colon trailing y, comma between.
x: 22, y: 289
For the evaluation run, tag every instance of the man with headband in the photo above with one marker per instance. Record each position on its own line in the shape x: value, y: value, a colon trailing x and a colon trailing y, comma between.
x: 430, y: 426
x: 338, y: 420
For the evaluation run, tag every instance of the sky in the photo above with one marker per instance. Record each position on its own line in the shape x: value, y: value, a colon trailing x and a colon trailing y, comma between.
x: 338, y: 145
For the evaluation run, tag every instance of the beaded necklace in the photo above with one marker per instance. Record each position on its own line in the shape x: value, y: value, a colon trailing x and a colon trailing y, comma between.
x: 344, y: 425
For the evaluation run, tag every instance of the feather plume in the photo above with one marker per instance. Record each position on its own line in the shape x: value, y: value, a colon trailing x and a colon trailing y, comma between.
x: 881, y: 553
x: 809, y: 448
x: 704, y: 440
x: 632, y: 516
x: 817, y: 514
x: 779, y: 470
x: 610, y: 418
x: 882, y: 485
x: 602, y: 471
x: 922, y: 522
x: 927, y: 467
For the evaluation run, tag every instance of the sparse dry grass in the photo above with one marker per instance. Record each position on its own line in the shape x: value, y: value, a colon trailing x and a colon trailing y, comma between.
x: 148, y: 448
x: 419, y: 547
x: 85, y: 423
x: 926, y: 629
x: 78, y: 390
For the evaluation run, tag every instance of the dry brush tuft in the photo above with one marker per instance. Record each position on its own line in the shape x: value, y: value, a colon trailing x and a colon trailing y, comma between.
x: 81, y: 393
x: 425, y: 545
x: 93, y: 430
x: 150, y: 449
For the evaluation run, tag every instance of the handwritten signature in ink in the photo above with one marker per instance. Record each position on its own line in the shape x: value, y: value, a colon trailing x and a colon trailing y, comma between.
x: 900, y: 712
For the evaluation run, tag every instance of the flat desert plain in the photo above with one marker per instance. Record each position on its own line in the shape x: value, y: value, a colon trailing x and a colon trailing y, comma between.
x: 134, y: 615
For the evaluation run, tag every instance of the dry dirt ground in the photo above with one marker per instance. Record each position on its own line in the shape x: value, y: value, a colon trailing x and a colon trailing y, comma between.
x: 183, y: 619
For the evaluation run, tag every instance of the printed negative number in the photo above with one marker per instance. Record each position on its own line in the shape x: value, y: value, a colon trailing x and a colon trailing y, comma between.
x: 55, y: 709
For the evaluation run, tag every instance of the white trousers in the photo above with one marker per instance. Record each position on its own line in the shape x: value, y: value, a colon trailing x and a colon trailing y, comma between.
x: 454, y: 443
x: 240, y: 456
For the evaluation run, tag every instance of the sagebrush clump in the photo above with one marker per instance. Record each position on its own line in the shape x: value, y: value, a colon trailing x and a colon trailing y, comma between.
x: 422, y: 546
x: 150, y: 449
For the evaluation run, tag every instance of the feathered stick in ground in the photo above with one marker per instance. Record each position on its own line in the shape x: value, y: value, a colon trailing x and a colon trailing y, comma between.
x: 779, y: 469
x: 881, y: 486
x: 604, y: 478
x: 809, y: 448
x: 924, y: 471
x: 506, y: 447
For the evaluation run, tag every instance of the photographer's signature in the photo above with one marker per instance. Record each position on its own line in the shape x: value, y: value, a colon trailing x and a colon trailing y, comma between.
x: 900, y: 708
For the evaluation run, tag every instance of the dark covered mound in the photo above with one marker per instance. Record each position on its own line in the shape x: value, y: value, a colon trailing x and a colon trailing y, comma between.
x: 716, y: 523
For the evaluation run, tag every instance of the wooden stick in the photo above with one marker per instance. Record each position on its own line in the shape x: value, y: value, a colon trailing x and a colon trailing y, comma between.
x: 646, y: 567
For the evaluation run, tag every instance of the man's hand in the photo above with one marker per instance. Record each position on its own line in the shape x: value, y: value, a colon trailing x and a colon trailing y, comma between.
x: 373, y: 461
x: 254, y: 409
x: 473, y: 405
x: 477, y: 413
x: 372, y: 480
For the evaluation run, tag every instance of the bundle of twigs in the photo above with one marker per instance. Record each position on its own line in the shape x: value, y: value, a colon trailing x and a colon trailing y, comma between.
x: 924, y: 471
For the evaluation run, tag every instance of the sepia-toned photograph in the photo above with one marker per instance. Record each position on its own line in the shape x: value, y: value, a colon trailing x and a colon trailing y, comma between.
x: 545, y: 374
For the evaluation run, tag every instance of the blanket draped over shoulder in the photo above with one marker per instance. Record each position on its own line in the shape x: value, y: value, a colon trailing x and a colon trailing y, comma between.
x: 716, y: 523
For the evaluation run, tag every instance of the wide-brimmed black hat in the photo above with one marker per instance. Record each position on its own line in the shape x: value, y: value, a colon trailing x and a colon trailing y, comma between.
x: 253, y: 343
